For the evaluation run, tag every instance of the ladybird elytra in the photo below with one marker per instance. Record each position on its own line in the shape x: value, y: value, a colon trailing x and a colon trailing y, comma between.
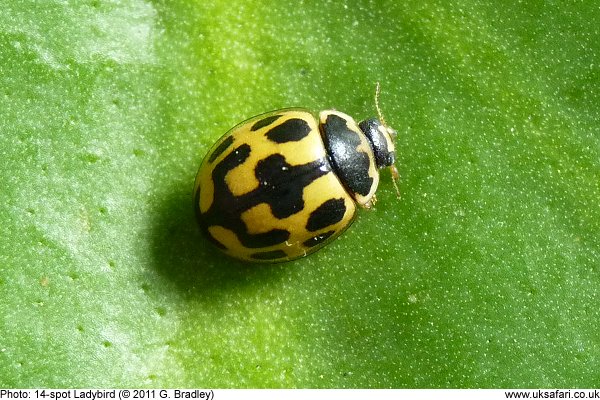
x: 284, y: 184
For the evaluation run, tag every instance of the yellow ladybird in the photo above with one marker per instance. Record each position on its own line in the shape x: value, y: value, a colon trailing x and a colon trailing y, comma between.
x: 283, y: 184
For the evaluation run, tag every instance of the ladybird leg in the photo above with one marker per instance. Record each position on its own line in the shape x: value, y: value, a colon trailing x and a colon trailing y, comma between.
x: 369, y: 204
x: 395, y: 178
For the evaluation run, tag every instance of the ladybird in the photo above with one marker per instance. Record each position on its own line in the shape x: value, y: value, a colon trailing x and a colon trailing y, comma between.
x: 283, y: 184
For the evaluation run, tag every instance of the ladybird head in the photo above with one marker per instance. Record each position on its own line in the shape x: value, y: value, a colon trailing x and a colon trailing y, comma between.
x: 382, y: 139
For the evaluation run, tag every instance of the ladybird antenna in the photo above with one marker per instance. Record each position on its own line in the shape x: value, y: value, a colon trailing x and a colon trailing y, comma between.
x: 393, y: 169
x: 395, y: 179
x: 379, y: 114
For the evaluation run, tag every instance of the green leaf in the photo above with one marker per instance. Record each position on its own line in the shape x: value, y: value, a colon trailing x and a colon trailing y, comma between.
x: 484, y: 274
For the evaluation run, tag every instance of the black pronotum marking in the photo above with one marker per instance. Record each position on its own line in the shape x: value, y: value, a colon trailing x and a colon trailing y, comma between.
x: 280, y: 187
x: 330, y: 212
x: 383, y: 156
x: 264, y: 122
x: 292, y: 130
x: 351, y: 165
x: 313, y: 241
x: 220, y: 149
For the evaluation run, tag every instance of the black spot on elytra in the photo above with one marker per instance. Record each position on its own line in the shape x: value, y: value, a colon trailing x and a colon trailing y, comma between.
x: 351, y: 165
x: 224, y: 145
x: 269, y: 255
x: 328, y: 213
x: 280, y: 187
x: 313, y: 241
x: 264, y: 122
x: 292, y: 130
x: 269, y: 238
